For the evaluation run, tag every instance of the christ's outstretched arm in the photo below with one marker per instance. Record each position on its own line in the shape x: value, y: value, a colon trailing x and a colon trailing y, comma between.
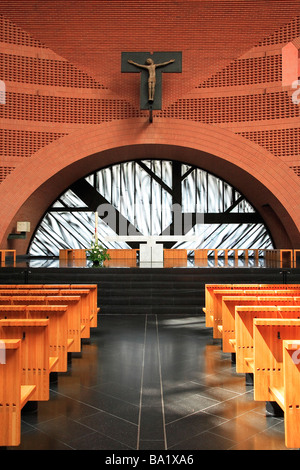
x: 151, y: 66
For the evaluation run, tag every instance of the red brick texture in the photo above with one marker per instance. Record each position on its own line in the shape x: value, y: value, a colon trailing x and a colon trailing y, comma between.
x: 69, y: 110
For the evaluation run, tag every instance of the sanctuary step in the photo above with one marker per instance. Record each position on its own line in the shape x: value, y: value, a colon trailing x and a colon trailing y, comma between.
x: 147, y: 290
x: 152, y: 291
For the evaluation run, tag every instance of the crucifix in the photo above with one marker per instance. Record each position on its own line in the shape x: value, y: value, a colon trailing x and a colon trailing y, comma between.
x: 151, y: 67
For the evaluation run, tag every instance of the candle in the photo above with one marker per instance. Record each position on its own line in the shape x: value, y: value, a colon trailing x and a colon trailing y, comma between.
x: 96, y: 227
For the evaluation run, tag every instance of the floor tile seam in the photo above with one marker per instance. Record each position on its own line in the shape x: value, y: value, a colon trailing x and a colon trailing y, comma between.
x: 58, y: 440
x: 217, y: 435
x: 238, y: 417
x: 142, y: 383
x: 107, y: 437
x: 161, y: 384
x: 120, y: 400
x: 120, y: 315
x: 279, y: 419
x: 204, y: 410
x: 39, y: 426
x: 95, y: 431
x: 151, y: 440
x: 203, y: 384
x: 249, y: 437
x: 111, y: 396
x: 97, y: 410
x: 78, y: 420
x: 238, y: 394
x: 195, y: 436
x: 40, y: 423
x: 36, y: 427
x: 205, y: 397
x: 255, y: 404
x: 154, y: 336
x: 194, y: 413
x: 258, y: 433
x: 92, y: 432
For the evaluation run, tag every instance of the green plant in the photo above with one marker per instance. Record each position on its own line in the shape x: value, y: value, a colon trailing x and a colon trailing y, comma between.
x: 97, y: 253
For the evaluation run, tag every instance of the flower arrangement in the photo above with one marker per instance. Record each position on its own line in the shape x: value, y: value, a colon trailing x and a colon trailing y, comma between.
x: 97, y: 253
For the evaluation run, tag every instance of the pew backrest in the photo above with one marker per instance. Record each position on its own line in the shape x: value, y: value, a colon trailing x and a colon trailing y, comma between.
x: 268, y: 339
x: 35, y: 359
x: 244, y: 330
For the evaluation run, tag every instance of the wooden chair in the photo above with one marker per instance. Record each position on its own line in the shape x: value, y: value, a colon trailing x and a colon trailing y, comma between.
x: 229, y: 305
x: 36, y: 363
x: 72, y: 254
x: 3, y: 256
x: 116, y: 253
x: 14, y: 395
x: 175, y: 254
x: 296, y: 258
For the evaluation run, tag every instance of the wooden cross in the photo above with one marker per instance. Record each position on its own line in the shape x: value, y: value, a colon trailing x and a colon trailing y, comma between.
x: 151, y: 67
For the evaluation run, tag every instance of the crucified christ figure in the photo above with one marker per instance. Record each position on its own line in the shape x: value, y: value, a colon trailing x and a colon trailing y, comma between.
x: 151, y: 66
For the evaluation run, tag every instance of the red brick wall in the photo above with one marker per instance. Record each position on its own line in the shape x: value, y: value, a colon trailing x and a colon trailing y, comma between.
x: 60, y: 61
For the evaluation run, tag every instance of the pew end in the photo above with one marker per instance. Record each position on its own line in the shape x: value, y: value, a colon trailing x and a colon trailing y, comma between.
x: 14, y: 396
x: 291, y: 392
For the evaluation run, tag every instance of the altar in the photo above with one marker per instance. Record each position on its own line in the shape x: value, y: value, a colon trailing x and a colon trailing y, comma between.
x: 151, y: 248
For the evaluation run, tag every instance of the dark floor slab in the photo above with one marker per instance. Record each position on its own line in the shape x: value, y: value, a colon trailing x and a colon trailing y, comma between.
x: 151, y: 382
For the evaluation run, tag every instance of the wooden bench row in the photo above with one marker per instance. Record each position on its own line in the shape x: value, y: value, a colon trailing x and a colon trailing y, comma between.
x: 214, y: 293
x: 90, y: 294
x: 38, y: 328
x: 263, y: 332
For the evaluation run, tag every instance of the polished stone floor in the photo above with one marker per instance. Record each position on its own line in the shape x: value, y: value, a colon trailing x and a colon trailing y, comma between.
x: 151, y: 382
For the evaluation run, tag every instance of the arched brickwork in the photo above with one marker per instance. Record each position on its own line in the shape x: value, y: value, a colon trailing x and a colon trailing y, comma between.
x: 263, y: 178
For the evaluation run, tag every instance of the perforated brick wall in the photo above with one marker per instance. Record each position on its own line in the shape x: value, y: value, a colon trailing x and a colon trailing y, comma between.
x: 65, y: 110
x: 285, y: 34
x: 62, y: 72
x: 243, y: 108
x: 4, y: 171
x: 247, y: 72
x: 40, y: 71
x: 21, y: 143
x: 296, y: 169
x: 281, y: 142
x: 13, y: 34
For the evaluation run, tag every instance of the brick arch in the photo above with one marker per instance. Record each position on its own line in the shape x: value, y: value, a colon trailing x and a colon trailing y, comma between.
x: 265, y: 180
